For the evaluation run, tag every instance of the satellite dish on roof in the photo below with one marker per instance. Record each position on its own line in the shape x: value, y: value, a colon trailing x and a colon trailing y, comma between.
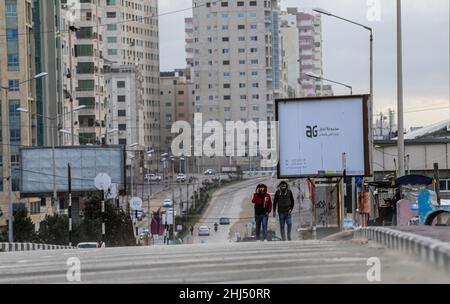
x: 102, y: 181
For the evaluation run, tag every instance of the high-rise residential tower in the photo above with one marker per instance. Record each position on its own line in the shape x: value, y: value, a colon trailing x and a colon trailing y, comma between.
x: 230, y: 49
x: 131, y: 38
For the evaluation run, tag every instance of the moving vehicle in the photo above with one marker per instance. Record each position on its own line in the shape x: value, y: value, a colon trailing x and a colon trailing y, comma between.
x: 216, y: 226
x: 224, y: 221
x: 167, y: 203
x: 181, y: 178
x: 152, y: 178
x: 209, y: 172
x: 203, y: 230
x: 88, y: 245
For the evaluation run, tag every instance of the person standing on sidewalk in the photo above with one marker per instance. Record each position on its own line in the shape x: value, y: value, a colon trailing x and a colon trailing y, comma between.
x: 263, y: 207
x: 284, y: 200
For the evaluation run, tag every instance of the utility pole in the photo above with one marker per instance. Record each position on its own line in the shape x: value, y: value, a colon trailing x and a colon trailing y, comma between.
x: 70, y: 202
x: 401, y: 139
x: 72, y: 132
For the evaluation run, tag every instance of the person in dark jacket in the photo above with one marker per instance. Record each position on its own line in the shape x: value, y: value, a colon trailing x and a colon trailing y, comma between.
x: 263, y: 207
x: 284, y: 201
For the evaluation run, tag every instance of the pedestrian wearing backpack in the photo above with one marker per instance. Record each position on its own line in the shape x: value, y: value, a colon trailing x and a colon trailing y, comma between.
x: 284, y: 201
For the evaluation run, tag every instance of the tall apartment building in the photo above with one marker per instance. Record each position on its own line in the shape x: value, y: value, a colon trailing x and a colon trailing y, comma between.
x: 290, y: 70
x: 233, y: 59
x: 17, y: 65
x: 177, y: 103
x: 126, y: 106
x: 131, y: 37
x: 310, y: 49
x: 55, y: 54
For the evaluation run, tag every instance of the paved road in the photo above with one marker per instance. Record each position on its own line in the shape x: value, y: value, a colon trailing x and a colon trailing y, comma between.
x: 272, y: 262
x: 226, y: 203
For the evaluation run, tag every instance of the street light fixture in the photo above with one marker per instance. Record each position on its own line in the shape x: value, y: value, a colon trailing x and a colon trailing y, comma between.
x: 8, y: 152
x: 324, y: 12
x: 322, y: 78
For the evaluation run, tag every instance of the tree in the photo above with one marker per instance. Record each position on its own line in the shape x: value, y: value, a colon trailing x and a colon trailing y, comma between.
x: 23, y: 227
x: 118, y: 224
x: 54, y: 230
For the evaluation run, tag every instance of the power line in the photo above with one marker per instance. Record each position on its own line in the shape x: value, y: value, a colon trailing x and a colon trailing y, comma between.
x: 140, y: 18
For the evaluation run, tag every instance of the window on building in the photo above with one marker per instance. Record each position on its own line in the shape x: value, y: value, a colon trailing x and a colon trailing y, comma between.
x: 85, y: 85
x: 121, y: 113
x: 84, y: 50
x: 122, y: 127
x: 13, y: 85
x: 121, y: 98
x: 121, y: 84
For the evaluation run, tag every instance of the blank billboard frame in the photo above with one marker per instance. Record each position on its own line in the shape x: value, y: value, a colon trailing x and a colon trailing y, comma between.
x: 365, y: 129
x: 37, y: 179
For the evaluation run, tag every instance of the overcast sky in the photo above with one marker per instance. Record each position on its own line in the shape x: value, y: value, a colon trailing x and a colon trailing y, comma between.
x: 346, y: 51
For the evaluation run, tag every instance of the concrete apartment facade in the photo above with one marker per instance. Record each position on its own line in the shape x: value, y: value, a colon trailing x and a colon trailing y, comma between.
x: 177, y: 103
x: 310, y: 49
x: 230, y: 50
x: 131, y: 38
x: 17, y: 66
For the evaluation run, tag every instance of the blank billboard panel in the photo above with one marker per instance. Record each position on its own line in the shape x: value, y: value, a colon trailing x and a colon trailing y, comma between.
x: 86, y: 163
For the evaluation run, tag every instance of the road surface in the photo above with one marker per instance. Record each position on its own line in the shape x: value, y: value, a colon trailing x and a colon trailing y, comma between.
x: 262, y: 262
x: 226, y: 202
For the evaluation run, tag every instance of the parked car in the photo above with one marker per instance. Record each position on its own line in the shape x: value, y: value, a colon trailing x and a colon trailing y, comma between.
x: 153, y: 178
x: 210, y: 172
x: 88, y: 245
x: 167, y: 203
x: 203, y: 230
x: 224, y: 221
x: 181, y: 178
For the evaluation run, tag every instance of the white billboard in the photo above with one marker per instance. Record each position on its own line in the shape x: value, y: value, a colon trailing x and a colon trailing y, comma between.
x: 86, y: 163
x: 315, y: 132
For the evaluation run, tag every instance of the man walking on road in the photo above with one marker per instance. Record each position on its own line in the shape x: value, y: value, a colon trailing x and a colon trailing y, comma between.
x: 284, y: 200
x: 263, y: 207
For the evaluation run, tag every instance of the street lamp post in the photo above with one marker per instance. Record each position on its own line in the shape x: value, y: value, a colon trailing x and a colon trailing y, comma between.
x: 401, y: 138
x: 8, y: 152
x: 324, y: 12
x: 322, y: 78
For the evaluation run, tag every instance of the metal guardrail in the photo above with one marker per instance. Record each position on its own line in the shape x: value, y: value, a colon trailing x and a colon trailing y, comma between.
x: 8, y: 247
x: 432, y: 251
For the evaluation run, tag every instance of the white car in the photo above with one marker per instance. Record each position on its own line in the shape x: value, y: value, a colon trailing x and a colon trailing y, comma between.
x: 167, y: 203
x: 153, y: 178
x: 203, y: 230
x: 86, y: 245
x: 209, y: 172
x: 181, y: 178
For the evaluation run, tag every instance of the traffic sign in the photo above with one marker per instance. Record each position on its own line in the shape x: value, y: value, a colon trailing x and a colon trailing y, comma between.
x: 136, y: 203
x: 102, y: 181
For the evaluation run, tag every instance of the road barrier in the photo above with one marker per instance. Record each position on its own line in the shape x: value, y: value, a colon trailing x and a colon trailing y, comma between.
x: 6, y: 247
x: 427, y: 249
